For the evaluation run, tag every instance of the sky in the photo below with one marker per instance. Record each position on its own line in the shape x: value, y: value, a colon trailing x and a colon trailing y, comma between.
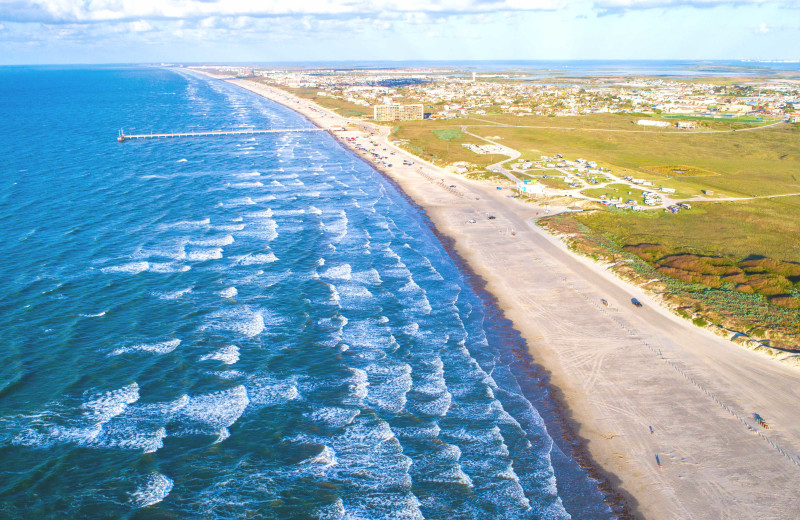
x: 184, y: 31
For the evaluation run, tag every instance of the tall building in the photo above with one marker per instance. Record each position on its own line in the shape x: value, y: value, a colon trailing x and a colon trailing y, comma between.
x: 397, y: 112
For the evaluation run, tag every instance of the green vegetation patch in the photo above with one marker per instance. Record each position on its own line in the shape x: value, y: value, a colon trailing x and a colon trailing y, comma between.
x: 736, y: 229
x: 448, y: 134
x: 679, y: 170
x: 756, y: 293
x: 614, y: 190
x: 776, y: 280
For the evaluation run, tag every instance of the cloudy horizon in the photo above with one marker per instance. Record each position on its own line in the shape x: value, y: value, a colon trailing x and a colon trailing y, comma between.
x: 119, y: 31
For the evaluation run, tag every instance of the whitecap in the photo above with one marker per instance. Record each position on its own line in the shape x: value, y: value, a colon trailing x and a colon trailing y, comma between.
x: 163, y: 347
x: 264, y: 390
x: 153, y: 490
x: 245, y: 185
x: 326, y: 458
x: 228, y: 292
x: 188, y: 224
x: 168, y: 267
x: 242, y: 201
x: 173, y: 295
x: 215, y: 242
x: 340, y: 272
x: 202, y: 255
x: 240, y: 320
x: 216, y: 410
x: 228, y: 355
x: 256, y: 258
x: 333, y: 416
x: 130, y: 268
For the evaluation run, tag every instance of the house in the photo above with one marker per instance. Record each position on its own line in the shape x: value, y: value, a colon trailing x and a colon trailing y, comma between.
x: 667, y: 190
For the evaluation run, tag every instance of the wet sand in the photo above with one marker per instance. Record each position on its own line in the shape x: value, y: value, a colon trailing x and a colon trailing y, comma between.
x: 664, y: 408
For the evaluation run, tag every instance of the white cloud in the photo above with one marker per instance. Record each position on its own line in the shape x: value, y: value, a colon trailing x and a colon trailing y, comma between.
x: 629, y: 5
x: 762, y: 29
x: 84, y: 11
x: 140, y: 26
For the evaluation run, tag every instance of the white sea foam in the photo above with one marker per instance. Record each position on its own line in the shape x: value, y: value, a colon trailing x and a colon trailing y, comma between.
x: 370, y: 276
x: 173, y: 295
x: 256, y: 259
x: 216, y: 410
x: 358, y: 383
x: 228, y: 355
x: 163, y: 347
x: 203, y: 255
x: 241, y: 320
x: 246, y: 185
x: 340, y: 272
x: 229, y: 292
x: 189, y: 224
x: 326, y: 458
x: 229, y: 227
x: 263, y: 229
x: 247, y: 175
x: 314, y: 211
x: 182, y: 160
x: 168, y: 267
x: 153, y: 490
x: 267, y: 213
x: 212, y: 242
x: 99, y: 314
x: 264, y: 390
x: 242, y: 201
x: 103, y: 407
x: 334, y: 417
x: 130, y: 268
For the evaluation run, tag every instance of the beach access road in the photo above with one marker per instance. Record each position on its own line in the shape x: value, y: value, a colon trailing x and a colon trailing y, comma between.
x: 666, y: 408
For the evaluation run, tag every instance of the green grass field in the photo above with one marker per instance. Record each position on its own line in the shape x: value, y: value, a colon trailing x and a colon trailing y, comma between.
x: 340, y: 106
x: 764, y: 227
x: 761, y: 162
x: 440, y: 142
x: 678, y: 170
x: 615, y: 190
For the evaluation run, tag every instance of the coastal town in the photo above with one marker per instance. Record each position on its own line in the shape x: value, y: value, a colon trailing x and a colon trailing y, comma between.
x: 655, y: 104
x: 449, y: 93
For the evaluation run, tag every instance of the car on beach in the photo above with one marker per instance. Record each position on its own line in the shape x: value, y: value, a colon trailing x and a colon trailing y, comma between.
x: 492, y: 217
x: 604, y: 301
x: 635, y: 302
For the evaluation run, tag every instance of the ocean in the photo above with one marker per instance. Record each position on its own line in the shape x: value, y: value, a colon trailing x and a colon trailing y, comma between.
x: 244, y: 327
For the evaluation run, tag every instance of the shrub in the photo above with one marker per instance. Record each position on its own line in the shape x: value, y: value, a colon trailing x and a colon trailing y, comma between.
x: 786, y: 301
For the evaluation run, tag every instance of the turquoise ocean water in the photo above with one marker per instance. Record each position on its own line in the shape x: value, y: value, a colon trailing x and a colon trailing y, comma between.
x: 243, y: 327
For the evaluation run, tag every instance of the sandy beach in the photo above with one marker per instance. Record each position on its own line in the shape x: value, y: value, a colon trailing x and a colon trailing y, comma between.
x: 665, y: 409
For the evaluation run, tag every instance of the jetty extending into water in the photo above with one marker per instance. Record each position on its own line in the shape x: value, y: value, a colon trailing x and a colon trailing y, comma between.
x: 122, y: 136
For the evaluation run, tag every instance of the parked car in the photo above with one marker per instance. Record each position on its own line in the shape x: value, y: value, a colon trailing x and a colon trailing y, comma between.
x: 492, y: 217
x: 636, y: 302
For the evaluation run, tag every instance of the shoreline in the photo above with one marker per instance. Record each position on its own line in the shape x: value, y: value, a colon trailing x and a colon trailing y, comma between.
x: 616, y: 370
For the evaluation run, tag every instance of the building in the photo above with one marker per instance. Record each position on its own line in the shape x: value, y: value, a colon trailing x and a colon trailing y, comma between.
x: 686, y: 124
x: 397, y: 112
x: 651, y: 122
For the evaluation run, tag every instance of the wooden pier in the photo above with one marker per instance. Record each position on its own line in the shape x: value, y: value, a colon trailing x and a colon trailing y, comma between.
x: 122, y: 136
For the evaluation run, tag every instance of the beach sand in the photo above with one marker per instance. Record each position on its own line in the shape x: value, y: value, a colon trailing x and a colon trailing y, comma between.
x: 663, y: 407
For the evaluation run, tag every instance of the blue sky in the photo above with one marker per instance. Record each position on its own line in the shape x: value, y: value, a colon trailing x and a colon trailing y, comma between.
x: 115, y: 31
